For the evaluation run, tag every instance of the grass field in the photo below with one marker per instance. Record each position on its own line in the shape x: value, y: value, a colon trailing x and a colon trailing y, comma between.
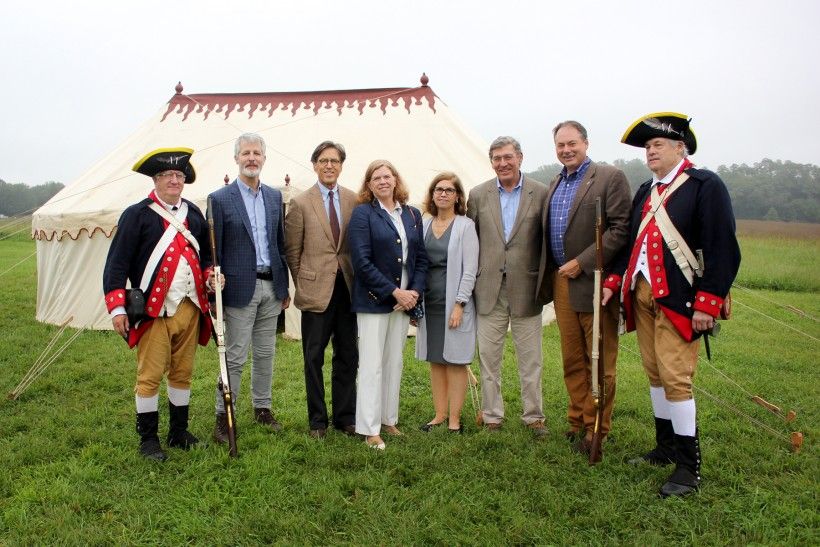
x: 72, y: 475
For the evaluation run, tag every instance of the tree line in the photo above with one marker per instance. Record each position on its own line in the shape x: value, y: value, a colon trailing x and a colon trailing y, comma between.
x: 16, y: 199
x: 766, y: 190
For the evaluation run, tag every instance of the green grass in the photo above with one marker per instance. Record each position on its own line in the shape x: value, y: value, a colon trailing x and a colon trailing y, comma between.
x: 780, y: 264
x: 72, y: 475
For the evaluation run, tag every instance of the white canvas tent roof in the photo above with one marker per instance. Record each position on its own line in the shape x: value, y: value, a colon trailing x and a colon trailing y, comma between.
x: 411, y: 127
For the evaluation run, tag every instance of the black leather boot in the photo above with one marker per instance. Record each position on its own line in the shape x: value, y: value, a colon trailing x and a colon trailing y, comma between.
x: 147, y: 425
x: 686, y: 477
x: 664, y: 451
x: 178, y: 434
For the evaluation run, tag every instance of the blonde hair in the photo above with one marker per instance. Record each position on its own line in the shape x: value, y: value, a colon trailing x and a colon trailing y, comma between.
x: 400, y: 193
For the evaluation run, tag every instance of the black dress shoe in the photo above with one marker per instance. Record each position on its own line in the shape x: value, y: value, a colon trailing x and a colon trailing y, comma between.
x: 428, y: 427
x: 318, y: 433
x: 459, y: 431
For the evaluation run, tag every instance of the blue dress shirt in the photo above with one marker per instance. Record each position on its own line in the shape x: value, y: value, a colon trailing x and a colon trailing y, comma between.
x: 559, y: 209
x: 255, y: 206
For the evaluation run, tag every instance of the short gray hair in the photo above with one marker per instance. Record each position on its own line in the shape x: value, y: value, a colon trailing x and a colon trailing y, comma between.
x: 501, y: 142
x: 248, y: 138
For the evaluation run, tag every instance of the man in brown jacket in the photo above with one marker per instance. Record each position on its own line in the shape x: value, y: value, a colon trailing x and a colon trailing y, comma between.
x: 319, y: 259
x: 507, y: 215
x: 567, y: 268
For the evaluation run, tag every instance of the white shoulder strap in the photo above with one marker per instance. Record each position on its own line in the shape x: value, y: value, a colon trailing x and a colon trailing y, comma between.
x: 167, y: 237
x: 176, y: 223
x: 684, y: 258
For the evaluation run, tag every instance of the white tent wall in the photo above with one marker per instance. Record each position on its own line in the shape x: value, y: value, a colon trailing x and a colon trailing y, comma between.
x: 411, y: 127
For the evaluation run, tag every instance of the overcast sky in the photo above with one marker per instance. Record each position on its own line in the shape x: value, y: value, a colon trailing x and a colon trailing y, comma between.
x: 76, y: 78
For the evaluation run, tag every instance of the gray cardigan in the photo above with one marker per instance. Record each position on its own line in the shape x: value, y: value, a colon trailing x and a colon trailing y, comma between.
x: 462, y: 265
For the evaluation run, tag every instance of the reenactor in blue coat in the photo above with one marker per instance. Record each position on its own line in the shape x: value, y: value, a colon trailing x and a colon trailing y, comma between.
x: 161, y: 247
x: 675, y: 275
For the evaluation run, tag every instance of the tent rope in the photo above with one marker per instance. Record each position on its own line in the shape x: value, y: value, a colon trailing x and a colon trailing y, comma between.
x: 792, y: 440
x: 23, y: 260
x: 44, y: 360
x: 792, y: 309
x: 779, y: 322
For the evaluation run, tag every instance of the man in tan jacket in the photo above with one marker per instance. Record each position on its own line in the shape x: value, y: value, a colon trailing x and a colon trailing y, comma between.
x: 319, y: 259
x: 507, y: 215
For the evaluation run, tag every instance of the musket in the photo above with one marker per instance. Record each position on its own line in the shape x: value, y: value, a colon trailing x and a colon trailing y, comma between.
x: 596, y: 361
x: 218, y: 321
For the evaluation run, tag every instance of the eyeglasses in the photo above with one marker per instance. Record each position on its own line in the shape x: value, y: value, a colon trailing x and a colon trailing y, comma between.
x: 506, y: 157
x: 332, y: 161
x: 448, y: 191
x: 170, y: 175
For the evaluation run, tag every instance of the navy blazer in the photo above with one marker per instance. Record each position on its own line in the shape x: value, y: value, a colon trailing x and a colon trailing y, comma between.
x: 236, y: 253
x: 375, y: 249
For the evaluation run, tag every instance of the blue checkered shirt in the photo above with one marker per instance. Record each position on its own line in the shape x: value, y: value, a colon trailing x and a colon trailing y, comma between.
x: 559, y: 209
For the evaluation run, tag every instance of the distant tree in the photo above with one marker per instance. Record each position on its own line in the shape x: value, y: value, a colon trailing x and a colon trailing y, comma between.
x: 768, y: 189
x: 771, y: 214
x: 16, y: 199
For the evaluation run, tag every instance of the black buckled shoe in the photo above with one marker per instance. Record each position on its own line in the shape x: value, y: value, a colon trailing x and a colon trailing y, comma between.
x: 664, y: 451
x: 685, y: 479
x: 178, y: 434
x: 147, y: 426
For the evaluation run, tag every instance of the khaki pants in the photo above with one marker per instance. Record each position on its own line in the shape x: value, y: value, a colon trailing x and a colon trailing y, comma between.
x: 669, y: 360
x: 576, y: 349
x: 168, y: 346
x: 526, y: 335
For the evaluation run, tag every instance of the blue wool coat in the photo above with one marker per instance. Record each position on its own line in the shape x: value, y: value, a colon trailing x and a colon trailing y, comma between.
x: 375, y: 249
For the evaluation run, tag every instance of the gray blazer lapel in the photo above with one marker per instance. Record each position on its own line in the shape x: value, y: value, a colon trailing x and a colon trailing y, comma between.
x: 523, y: 205
x: 269, y: 201
x: 239, y: 204
x: 494, y: 204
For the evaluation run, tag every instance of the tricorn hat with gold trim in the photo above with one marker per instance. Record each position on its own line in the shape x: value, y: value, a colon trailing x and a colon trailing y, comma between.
x: 167, y: 159
x: 667, y: 125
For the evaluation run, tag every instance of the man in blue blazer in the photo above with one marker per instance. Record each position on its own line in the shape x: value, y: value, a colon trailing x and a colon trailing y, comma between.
x: 249, y: 229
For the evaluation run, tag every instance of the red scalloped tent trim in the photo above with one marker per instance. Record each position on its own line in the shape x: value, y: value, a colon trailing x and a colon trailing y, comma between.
x: 43, y: 235
x: 206, y: 103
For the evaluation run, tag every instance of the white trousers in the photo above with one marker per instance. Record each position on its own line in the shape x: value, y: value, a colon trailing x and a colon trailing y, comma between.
x: 381, y: 353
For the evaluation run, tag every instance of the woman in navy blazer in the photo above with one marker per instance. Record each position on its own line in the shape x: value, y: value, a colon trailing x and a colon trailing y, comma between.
x: 389, y: 271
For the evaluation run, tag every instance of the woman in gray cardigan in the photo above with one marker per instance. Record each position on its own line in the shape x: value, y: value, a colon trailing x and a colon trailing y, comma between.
x: 446, y: 333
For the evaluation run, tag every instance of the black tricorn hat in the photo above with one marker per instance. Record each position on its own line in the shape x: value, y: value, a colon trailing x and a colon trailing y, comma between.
x: 167, y: 159
x: 667, y: 125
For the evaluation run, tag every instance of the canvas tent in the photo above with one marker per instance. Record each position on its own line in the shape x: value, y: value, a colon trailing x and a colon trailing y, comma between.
x: 411, y: 127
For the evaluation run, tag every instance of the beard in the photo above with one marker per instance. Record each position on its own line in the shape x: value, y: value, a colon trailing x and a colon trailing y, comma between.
x: 250, y: 172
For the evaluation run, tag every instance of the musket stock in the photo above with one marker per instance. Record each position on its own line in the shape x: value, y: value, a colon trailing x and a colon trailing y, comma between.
x: 596, y: 361
x: 224, y: 384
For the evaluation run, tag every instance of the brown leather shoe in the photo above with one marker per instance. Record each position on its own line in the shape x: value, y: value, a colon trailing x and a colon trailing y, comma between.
x: 539, y: 430
x: 265, y: 417
x: 496, y: 426
x: 221, y: 428
x: 392, y: 430
x: 318, y: 433
x: 349, y: 430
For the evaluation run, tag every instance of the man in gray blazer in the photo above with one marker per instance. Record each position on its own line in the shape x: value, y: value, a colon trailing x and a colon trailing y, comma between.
x: 567, y: 269
x: 250, y: 244
x: 507, y: 215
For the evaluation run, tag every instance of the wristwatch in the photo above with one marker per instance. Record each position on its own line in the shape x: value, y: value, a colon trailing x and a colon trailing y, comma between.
x: 460, y: 303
